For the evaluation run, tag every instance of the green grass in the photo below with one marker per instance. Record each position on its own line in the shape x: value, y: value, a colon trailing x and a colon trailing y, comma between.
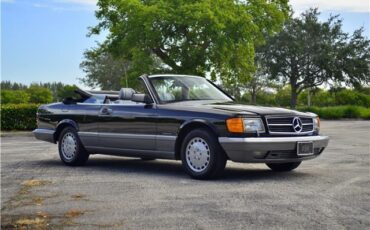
x: 339, y: 112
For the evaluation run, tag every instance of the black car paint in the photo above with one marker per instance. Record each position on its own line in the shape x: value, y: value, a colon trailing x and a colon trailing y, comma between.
x: 161, y: 120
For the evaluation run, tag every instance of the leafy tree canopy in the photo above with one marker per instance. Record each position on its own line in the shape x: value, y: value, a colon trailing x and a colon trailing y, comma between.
x: 66, y: 91
x: 308, y: 53
x: 9, y: 96
x: 102, y: 69
x: 188, y: 36
x: 12, y: 85
x: 39, y: 94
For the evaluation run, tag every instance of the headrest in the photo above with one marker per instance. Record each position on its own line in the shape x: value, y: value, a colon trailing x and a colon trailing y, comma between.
x: 126, y: 93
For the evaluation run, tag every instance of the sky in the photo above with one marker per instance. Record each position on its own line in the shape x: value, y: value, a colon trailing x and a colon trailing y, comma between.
x: 44, y: 40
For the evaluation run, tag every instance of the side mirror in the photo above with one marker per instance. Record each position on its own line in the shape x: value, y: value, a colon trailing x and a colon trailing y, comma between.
x: 141, y: 98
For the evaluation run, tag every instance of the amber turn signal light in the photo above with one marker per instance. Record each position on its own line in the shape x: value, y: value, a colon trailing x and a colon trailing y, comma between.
x: 235, y: 125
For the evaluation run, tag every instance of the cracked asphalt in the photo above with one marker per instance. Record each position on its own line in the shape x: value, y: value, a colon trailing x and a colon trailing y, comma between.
x: 329, y: 192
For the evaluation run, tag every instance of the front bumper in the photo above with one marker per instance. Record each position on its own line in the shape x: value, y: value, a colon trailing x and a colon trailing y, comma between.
x: 270, y: 149
x: 44, y: 135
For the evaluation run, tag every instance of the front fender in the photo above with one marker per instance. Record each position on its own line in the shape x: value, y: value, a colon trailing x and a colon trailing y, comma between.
x: 199, y: 121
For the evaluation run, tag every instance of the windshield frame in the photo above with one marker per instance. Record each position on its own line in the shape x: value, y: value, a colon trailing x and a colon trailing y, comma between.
x: 151, y: 77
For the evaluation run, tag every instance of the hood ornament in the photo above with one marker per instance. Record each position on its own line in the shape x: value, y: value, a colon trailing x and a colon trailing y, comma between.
x: 297, y: 125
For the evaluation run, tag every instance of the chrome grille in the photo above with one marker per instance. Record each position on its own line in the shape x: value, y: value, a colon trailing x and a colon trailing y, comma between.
x: 284, y: 125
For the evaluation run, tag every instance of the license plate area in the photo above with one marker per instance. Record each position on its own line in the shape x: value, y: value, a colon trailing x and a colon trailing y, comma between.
x: 305, y: 148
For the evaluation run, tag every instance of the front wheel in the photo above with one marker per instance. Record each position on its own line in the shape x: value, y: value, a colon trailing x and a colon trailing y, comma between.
x: 283, y: 167
x: 201, y: 154
x: 70, y: 148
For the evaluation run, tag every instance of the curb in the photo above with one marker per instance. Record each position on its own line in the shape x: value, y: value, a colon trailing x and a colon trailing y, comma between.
x: 16, y: 133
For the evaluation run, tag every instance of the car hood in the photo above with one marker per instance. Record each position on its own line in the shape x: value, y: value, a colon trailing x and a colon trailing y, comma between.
x: 235, y: 108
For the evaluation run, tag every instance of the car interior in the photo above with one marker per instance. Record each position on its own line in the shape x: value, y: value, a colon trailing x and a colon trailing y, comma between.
x: 124, y: 96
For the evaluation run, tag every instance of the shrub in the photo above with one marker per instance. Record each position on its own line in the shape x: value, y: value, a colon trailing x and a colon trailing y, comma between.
x: 39, y: 94
x: 338, y: 112
x: 351, y: 97
x: 263, y: 98
x: 266, y: 98
x: 323, y: 98
x: 283, y: 97
x: 14, y: 97
x: 18, y: 117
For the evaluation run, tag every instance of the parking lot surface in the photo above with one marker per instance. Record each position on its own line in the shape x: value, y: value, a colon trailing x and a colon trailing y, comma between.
x: 329, y: 192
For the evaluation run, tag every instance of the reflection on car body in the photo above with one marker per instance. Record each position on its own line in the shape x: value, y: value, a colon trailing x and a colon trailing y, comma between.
x: 179, y: 117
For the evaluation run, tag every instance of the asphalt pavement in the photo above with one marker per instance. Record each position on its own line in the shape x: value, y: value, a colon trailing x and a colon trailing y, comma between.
x: 329, y: 192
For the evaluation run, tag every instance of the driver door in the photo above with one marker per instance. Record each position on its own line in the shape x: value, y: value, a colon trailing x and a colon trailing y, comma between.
x: 127, y: 127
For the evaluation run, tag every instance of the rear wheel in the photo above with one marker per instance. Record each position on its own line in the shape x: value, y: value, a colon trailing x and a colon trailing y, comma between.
x: 283, y: 167
x: 202, y: 156
x: 71, y: 150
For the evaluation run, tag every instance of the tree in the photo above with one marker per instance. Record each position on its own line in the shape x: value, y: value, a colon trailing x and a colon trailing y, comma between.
x: 103, y: 70
x: 308, y: 53
x: 54, y: 87
x: 14, y: 96
x: 12, y: 85
x: 66, y: 91
x: 257, y: 83
x: 189, y: 36
x: 39, y: 94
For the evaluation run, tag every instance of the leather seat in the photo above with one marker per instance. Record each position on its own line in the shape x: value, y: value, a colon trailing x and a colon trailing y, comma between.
x: 125, y: 96
x: 126, y: 93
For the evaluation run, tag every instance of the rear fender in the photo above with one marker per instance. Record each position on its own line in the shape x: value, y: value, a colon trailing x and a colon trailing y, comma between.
x: 61, y: 125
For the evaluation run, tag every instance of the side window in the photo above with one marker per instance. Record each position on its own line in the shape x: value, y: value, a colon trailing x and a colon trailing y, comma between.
x: 167, y: 89
x: 95, y: 99
x: 90, y: 100
x: 141, y: 87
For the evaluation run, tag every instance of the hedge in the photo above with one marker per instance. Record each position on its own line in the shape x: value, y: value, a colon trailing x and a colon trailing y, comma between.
x: 338, y: 112
x: 18, y: 117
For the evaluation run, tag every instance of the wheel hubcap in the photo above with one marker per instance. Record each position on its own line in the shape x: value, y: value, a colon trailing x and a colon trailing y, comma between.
x: 197, y: 154
x: 69, y: 146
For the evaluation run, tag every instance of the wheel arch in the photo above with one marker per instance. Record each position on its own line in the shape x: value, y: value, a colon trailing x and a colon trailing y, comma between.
x: 188, y: 126
x: 61, y: 125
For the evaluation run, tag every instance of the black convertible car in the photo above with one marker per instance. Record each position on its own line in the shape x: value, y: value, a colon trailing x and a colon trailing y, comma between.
x: 179, y: 117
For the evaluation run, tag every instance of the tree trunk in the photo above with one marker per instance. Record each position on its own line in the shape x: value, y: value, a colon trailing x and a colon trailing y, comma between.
x: 254, y: 97
x: 293, y: 97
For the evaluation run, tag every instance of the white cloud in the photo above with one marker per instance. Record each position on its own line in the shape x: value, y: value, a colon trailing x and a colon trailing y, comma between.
x: 80, y: 2
x: 331, y: 5
x: 66, y: 5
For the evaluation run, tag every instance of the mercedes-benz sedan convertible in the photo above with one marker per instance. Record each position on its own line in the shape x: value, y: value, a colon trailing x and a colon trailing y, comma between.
x: 179, y: 117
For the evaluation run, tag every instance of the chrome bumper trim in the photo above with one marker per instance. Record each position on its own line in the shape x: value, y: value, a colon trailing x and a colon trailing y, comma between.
x: 44, y: 134
x: 256, y: 149
x: 271, y: 139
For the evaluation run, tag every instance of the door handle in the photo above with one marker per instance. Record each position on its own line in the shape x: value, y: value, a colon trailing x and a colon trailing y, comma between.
x: 106, y: 111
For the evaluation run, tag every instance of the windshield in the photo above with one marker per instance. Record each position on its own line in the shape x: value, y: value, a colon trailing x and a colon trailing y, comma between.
x: 185, y: 88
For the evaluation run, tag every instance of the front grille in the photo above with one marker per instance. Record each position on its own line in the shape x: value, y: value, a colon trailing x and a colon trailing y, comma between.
x: 284, y: 125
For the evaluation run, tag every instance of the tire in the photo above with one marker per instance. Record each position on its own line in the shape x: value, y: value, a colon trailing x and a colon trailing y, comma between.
x: 283, y: 167
x: 71, y: 150
x: 202, y: 156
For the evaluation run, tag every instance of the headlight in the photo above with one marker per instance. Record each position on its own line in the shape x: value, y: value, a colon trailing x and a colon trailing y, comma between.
x: 245, y: 125
x: 316, y: 124
x: 252, y: 125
